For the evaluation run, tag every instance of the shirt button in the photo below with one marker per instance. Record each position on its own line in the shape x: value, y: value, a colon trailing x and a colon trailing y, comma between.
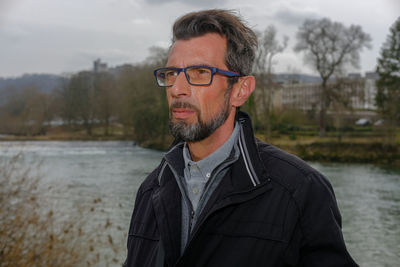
x: 208, y: 175
x: 195, y: 190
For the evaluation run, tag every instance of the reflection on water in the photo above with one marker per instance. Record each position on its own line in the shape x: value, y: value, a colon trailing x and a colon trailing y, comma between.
x: 369, y: 199
x: 82, y: 172
x: 368, y: 195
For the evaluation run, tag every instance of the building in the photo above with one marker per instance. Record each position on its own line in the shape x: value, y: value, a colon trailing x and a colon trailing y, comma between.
x: 370, y: 90
x: 300, y: 96
x: 357, y: 93
x: 98, y: 66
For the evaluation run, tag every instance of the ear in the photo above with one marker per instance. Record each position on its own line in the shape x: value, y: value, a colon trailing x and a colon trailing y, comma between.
x: 242, y: 90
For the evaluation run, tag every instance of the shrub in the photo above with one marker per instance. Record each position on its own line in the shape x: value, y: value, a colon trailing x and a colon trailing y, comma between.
x: 31, y: 234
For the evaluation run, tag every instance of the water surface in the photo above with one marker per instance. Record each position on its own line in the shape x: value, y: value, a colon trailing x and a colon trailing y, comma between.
x: 368, y: 196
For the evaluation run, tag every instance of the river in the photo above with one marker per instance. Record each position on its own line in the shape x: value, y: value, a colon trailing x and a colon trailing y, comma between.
x: 84, y: 173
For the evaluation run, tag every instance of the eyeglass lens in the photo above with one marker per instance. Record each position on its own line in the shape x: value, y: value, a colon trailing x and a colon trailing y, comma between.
x: 195, y: 76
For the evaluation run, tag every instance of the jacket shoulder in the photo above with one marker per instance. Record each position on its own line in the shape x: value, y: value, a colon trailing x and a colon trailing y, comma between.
x: 287, y: 169
x: 299, y: 179
x: 318, y: 216
x: 151, y: 180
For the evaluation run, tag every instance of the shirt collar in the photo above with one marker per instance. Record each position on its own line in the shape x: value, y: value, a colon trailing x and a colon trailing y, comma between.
x: 209, y: 163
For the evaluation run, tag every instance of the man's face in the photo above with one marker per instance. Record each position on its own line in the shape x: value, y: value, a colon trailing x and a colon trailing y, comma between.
x: 197, y: 111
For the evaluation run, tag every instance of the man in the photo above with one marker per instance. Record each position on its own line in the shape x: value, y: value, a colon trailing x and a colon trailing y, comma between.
x: 220, y: 197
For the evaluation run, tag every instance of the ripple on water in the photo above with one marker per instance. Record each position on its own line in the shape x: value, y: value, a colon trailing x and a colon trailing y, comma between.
x: 368, y: 196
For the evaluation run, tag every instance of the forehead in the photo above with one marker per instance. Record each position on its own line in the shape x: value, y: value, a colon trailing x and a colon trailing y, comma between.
x: 208, y: 49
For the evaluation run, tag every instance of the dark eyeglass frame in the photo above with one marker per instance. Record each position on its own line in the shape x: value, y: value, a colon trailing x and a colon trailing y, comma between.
x: 213, y: 70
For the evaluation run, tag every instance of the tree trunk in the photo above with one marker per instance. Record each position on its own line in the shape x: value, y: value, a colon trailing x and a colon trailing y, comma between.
x: 267, y: 124
x: 322, y: 112
x: 268, y: 110
x: 88, y: 127
x: 106, y: 126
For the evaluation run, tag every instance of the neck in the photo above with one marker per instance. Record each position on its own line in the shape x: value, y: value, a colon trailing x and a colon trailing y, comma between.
x: 201, y: 149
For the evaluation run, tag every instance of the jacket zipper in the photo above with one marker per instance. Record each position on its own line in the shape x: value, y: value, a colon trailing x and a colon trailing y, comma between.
x: 253, y: 177
x: 191, y: 217
x: 191, y: 211
x: 212, y: 211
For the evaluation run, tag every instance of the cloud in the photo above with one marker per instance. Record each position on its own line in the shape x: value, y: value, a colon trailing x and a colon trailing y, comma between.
x: 109, y: 55
x: 202, y: 3
x: 290, y: 16
x: 48, y: 35
x: 6, y: 4
x: 164, y: 44
x: 13, y: 34
x: 55, y: 49
x: 5, y: 7
x: 141, y: 21
x: 395, y: 4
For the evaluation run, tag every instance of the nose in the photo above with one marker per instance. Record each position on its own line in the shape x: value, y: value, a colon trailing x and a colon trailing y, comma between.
x: 181, y: 87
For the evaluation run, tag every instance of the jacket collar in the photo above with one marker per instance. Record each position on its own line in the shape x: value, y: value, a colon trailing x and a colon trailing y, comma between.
x: 250, y: 147
x: 247, y: 145
x: 246, y: 175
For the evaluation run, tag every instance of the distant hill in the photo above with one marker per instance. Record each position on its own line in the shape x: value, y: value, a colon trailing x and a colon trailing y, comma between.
x: 48, y: 82
x: 43, y: 82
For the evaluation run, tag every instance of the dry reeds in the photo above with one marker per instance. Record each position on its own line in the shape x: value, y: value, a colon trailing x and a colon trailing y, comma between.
x: 33, y: 235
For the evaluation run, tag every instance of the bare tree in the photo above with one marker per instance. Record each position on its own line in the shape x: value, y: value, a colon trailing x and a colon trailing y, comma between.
x: 158, y: 56
x: 80, y: 99
x: 105, y: 96
x: 142, y: 107
x: 26, y: 112
x: 268, y: 47
x: 329, y: 47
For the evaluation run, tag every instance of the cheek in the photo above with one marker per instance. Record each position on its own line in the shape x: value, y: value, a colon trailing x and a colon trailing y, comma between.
x: 171, y: 98
x: 212, y: 103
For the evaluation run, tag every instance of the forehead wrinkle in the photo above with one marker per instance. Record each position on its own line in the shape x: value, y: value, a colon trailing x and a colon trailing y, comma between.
x: 195, y: 51
x: 191, y: 65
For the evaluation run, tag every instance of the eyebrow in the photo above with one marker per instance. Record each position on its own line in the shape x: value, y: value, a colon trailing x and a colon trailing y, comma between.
x: 191, y: 65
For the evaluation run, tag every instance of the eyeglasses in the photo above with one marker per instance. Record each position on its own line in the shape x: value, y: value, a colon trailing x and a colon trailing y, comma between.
x: 195, y: 75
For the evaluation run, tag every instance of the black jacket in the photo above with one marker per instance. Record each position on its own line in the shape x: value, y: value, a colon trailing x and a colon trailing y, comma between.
x: 270, y: 209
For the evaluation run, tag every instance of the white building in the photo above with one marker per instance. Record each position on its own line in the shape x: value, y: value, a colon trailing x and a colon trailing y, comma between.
x: 359, y: 93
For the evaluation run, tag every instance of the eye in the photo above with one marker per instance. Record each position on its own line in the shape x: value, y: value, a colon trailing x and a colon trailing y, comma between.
x: 202, y: 70
x: 170, y: 73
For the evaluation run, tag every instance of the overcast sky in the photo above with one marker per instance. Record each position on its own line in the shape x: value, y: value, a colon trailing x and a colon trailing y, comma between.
x: 57, y: 36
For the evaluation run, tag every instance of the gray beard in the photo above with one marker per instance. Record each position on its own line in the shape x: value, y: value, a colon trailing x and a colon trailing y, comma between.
x: 199, y: 130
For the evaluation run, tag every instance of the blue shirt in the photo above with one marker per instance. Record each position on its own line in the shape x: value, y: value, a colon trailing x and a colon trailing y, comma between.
x: 198, y: 173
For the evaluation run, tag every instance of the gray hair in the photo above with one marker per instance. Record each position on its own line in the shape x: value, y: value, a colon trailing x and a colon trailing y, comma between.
x: 241, y: 40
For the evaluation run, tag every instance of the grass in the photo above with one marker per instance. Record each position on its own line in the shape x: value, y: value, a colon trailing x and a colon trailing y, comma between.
x: 361, y: 148
x: 64, y: 133
x: 368, y: 144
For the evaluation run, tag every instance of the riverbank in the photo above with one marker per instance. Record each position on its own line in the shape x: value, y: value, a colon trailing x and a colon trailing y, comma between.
x: 347, y: 150
x: 313, y: 148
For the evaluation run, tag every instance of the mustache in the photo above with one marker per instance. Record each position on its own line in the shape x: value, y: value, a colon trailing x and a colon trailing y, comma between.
x: 182, y: 104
